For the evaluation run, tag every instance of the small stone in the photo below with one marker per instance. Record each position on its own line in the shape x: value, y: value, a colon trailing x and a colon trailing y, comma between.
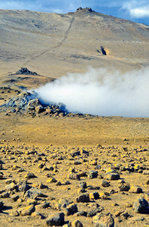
x: 82, y: 190
x: 11, y: 187
x: 55, y: 219
x: 113, y: 176
x: 75, y: 153
x: 43, y: 205
x: 28, y: 210
x: 71, y: 209
x: 76, y: 223
x: 62, y: 203
x: 94, y: 195
x: 31, y: 202
x: 125, y: 214
x: 124, y: 187
x: 84, y: 152
x: 118, y: 213
x: 135, y: 189
x: 37, y: 214
x: 77, y: 163
x: 95, y: 211
x: 51, y: 180
x: 33, y: 193
x: 81, y: 213
x: 83, y: 198
x: 23, y: 186
x: 103, y: 220
x: 141, y: 206
x: 104, y: 195
x: 83, y: 185
x: 74, y: 176
x: 30, y: 175
x: 105, y: 183
x: 93, y: 174
x: 58, y: 183
x: 67, y: 182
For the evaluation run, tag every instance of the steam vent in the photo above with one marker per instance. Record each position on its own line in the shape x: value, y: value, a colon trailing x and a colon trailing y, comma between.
x: 29, y: 103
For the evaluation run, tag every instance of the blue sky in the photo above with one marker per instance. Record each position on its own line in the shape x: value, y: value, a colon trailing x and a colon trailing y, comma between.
x: 135, y: 10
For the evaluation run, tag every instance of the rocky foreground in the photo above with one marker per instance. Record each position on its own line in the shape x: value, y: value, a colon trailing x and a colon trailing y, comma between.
x: 74, y: 186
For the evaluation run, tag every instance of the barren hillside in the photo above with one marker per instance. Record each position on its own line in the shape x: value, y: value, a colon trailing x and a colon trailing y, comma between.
x: 54, y: 44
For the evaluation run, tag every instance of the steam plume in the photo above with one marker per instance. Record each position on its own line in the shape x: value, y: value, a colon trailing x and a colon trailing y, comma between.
x: 101, y: 92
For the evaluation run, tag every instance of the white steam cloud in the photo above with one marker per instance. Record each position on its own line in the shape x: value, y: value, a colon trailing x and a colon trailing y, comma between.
x: 101, y: 92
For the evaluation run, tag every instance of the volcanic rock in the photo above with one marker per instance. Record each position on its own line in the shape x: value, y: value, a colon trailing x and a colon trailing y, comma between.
x: 76, y: 223
x: 55, y: 219
x: 104, y: 220
x: 83, y: 198
x: 141, y: 206
x: 93, y: 174
x: 71, y: 209
x: 25, y: 71
x: 27, y: 210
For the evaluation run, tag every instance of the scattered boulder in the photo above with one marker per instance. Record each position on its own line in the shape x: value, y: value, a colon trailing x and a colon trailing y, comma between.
x: 84, y: 198
x: 27, y: 210
x: 14, y: 197
x: 76, y: 223
x: 94, y: 195
x: 124, y: 187
x: 93, y: 174
x: 11, y: 187
x: 51, y: 180
x: 33, y: 193
x: 61, y: 204
x: 71, y: 209
x: 105, y: 183
x: 103, y: 220
x: 30, y: 175
x: 55, y: 219
x: 141, y: 206
x: 112, y: 176
x: 83, y: 185
x: 135, y: 189
x: 94, y: 211
x: 23, y: 186
x: 74, y: 176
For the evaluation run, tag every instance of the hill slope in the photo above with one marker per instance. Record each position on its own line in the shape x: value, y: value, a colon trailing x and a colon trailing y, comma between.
x: 54, y: 44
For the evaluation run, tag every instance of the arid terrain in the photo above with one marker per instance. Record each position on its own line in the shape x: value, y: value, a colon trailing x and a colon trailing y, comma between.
x: 64, y: 169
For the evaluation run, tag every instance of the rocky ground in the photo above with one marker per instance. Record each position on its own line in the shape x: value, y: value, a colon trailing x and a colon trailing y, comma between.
x: 93, y: 173
x: 63, y: 169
